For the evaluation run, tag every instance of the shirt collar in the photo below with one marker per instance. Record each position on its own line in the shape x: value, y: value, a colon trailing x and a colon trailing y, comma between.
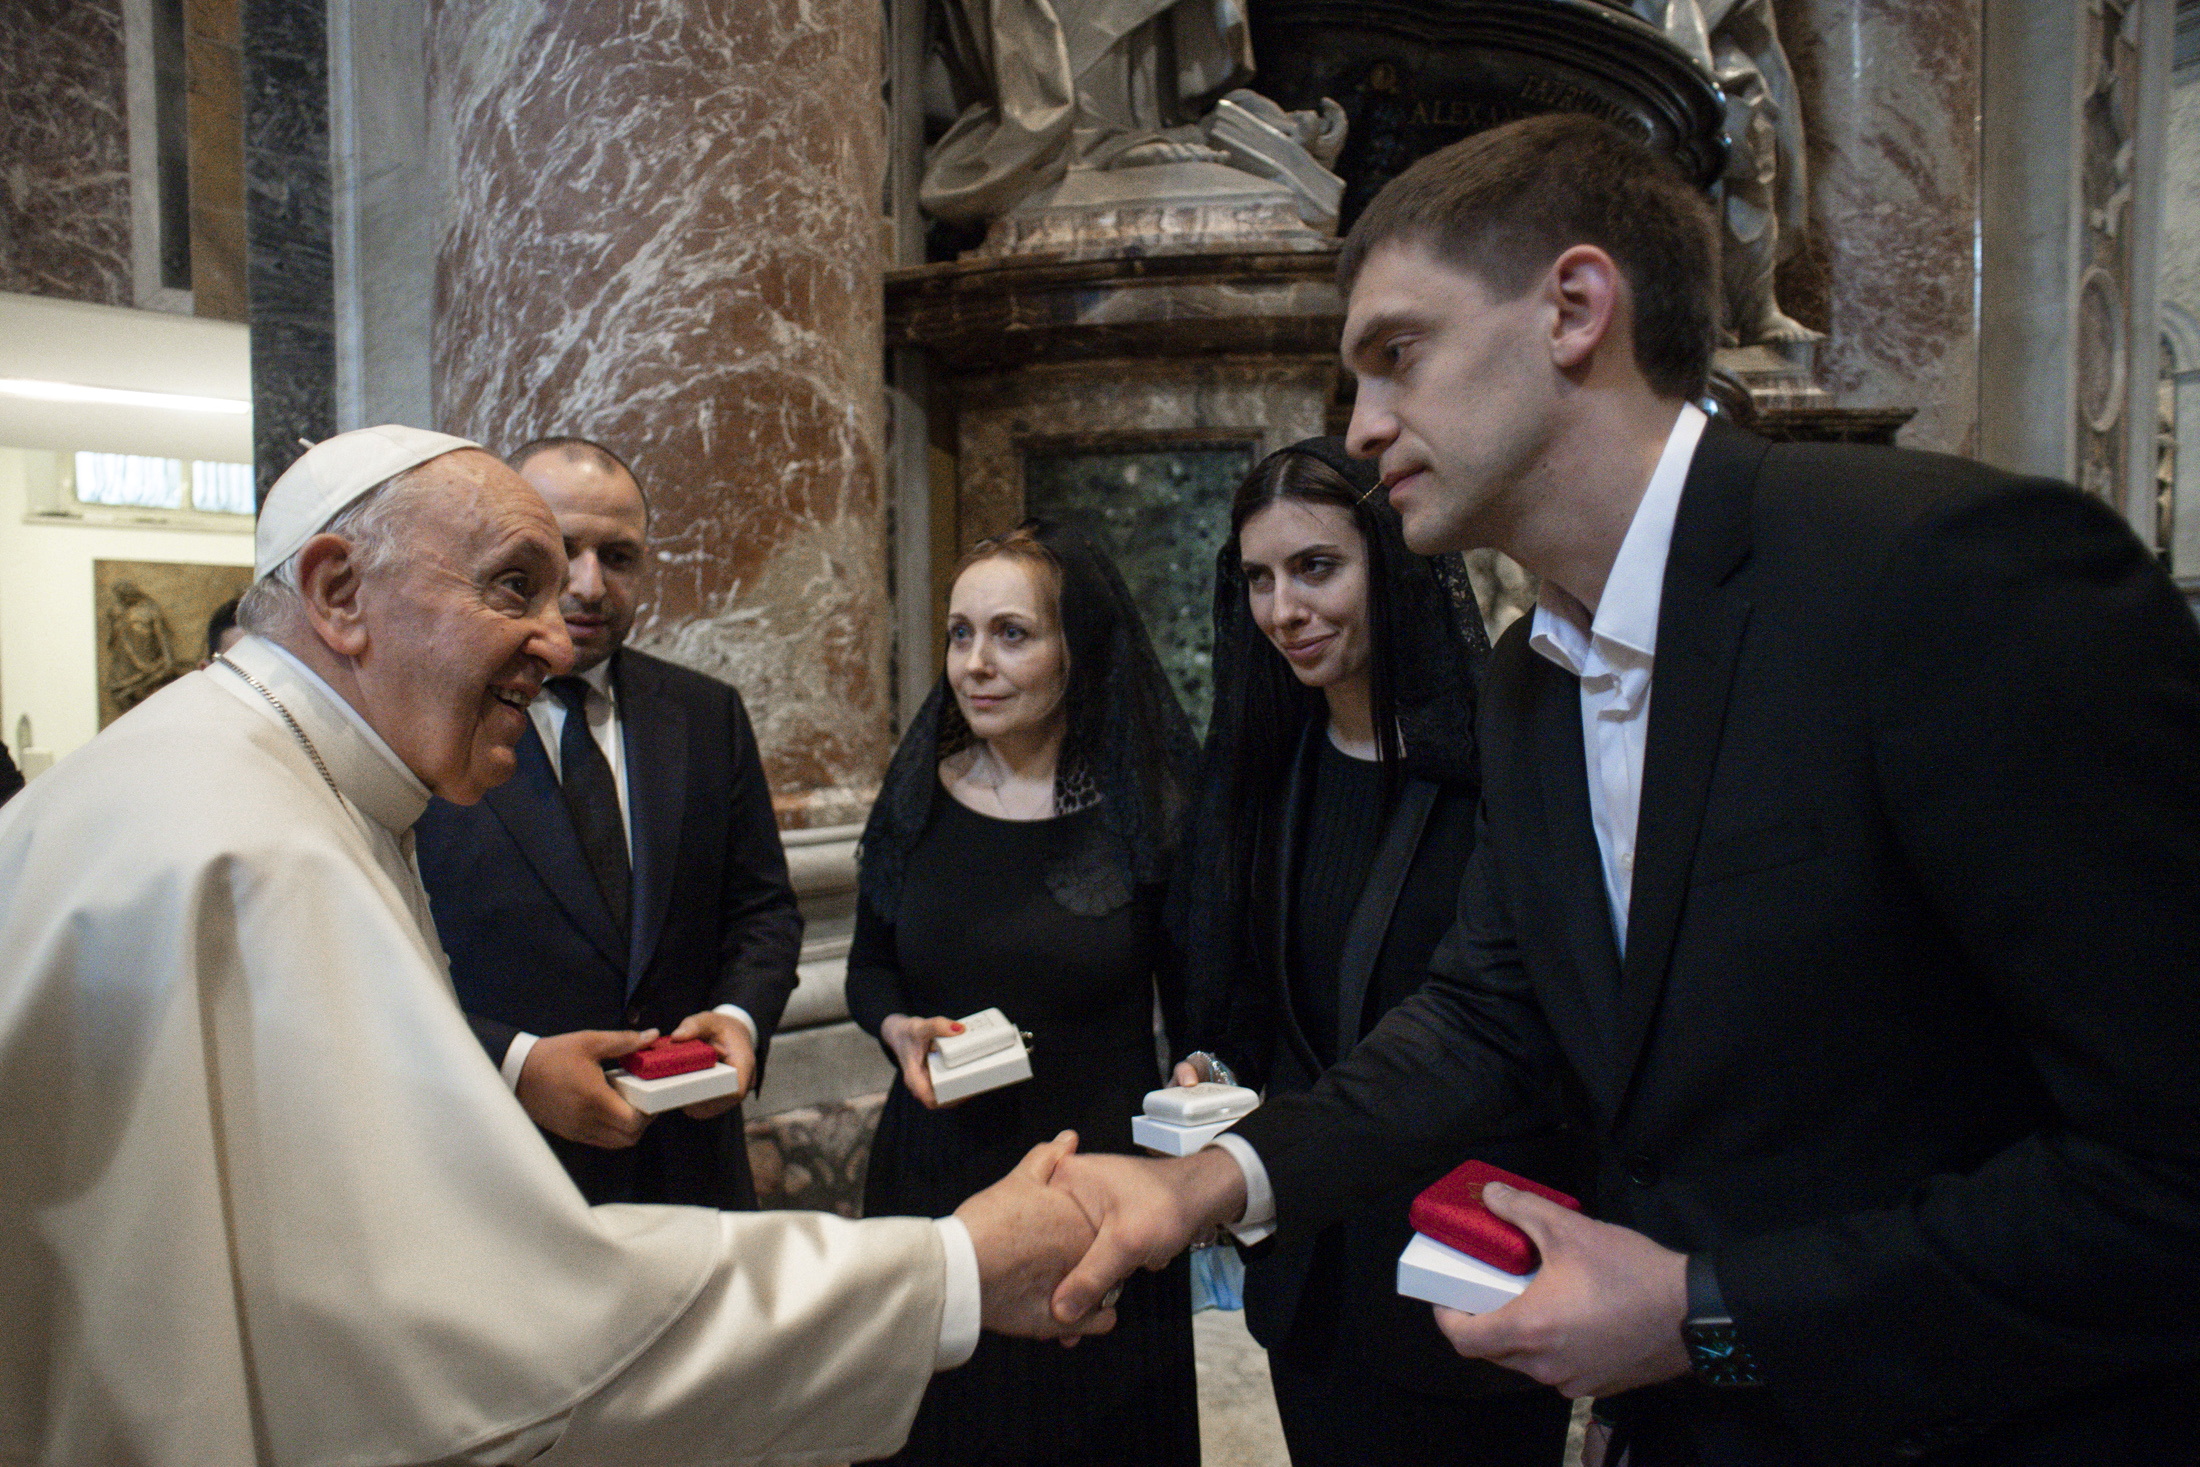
x: 364, y: 767
x: 598, y: 679
x: 1622, y: 639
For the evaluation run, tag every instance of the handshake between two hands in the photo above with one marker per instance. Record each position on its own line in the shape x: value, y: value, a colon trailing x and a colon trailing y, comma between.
x: 1058, y: 1235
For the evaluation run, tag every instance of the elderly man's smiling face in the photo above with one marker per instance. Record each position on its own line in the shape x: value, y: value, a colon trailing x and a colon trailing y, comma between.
x: 463, y: 627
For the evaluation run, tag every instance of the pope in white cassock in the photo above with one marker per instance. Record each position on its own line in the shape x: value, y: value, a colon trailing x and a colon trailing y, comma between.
x: 262, y: 1197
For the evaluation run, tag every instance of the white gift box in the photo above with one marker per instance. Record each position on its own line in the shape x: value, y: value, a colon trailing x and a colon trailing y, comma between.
x: 1173, y: 1140
x: 1443, y: 1275
x: 985, y: 1032
x: 1201, y: 1104
x: 988, y: 1054
x: 1180, y: 1119
x: 673, y: 1091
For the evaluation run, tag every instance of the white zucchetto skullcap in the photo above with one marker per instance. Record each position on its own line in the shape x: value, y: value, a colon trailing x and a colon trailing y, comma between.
x: 329, y: 476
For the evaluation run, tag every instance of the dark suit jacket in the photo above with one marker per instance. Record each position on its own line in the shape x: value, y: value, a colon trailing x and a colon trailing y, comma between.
x: 1907, y: 1035
x: 1337, y: 1288
x: 532, y: 945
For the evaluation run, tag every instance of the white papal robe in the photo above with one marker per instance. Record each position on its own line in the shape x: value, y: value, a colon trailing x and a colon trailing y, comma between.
x: 264, y: 1199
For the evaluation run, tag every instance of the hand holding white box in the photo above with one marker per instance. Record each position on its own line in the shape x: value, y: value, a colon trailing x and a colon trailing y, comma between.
x: 651, y: 1097
x: 1442, y: 1275
x: 1180, y: 1119
x: 988, y: 1054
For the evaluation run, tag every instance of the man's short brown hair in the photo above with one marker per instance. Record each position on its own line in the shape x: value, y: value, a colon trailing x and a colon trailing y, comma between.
x: 1503, y: 204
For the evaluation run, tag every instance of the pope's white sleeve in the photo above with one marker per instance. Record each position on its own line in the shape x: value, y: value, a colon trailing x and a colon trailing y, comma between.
x: 811, y: 1341
x: 962, y: 1308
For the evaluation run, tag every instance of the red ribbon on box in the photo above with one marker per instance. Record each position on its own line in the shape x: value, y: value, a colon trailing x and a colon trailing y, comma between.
x: 1452, y: 1212
x: 670, y: 1057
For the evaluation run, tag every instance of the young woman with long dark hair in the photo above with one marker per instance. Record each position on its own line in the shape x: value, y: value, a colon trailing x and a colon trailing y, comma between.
x: 1335, y: 819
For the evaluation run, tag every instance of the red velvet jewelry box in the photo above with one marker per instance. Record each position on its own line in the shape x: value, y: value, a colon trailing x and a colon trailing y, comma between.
x: 669, y: 1057
x: 1451, y: 1211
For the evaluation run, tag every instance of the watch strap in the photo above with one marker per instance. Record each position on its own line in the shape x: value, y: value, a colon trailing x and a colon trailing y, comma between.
x: 1715, y: 1348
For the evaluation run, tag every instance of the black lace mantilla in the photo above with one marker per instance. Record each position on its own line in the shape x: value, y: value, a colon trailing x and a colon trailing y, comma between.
x: 1432, y: 647
x: 1127, y: 749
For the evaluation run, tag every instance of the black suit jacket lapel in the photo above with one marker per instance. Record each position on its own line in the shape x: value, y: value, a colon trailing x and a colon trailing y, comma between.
x: 655, y: 731
x: 1701, y: 616
x: 1386, y: 878
x: 1572, y: 869
x: 532, y: 808
x: 1290, y: 820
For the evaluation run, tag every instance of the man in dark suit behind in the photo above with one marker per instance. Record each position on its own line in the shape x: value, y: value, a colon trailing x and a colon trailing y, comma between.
x: 627, y: 881
x: 1840, y: 865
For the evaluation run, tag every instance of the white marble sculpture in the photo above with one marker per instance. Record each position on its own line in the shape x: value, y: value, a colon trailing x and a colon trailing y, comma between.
x: 1767, y: 182
x: 1073, y: 128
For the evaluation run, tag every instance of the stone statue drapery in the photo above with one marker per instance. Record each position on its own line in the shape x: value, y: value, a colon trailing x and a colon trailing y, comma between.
x: 1767, y: 176
x: 1125, y: 116
x: 1043, y: 84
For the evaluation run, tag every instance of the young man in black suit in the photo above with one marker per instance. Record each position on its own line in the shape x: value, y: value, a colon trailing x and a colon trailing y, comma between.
x: 628, y: 881
x: 1840, y: 867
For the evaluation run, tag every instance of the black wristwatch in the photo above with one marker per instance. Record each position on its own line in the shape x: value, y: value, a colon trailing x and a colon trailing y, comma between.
x: 1715, y: 1348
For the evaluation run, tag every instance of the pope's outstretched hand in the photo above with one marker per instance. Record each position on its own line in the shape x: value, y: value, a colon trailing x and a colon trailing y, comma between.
x: 1027, y: 1235
x: 1144, y: 1212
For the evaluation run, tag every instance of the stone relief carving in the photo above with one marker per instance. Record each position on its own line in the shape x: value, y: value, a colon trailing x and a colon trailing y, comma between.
x: 150, y: 615
x: 140, y: 651
x: 1767, y: 182
x: 1070, y: 108
x: 2108, y: 89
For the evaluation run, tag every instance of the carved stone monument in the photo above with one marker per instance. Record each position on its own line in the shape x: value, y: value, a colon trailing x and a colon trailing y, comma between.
x: 1704, y: 81
x: 1764, y: 193
x: 1091, y: 127
x: 1414, y: 75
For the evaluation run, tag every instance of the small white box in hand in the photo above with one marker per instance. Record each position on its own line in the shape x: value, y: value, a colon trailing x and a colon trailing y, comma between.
x: 1443, y: 1275
x: 1180, y: 1119
x: 673, y: 1091
x: 988, y: 1054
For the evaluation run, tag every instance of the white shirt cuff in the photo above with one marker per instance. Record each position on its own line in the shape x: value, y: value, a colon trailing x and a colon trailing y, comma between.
x: 515, y: 1058
x: 1259, y: 1219
x: 735, y: 1011
x: 959, y: 1314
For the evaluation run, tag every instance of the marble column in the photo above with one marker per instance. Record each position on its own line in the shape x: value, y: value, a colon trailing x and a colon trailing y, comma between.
x: 288, y: 274
x: 214, y: 71
x: 665, y: 233
x: 65, y: 146
x: 1890, y: 97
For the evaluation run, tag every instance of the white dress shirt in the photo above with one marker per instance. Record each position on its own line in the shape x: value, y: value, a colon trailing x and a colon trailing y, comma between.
x: 1612, y: 654
x: 549, y: 713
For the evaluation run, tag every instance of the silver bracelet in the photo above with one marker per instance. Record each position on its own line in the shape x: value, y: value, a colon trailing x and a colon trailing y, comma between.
x: 1219, y: 1072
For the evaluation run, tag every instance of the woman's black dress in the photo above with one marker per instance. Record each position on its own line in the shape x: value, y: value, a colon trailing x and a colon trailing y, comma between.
x: 1361, y: 1375
x: 977, y: 927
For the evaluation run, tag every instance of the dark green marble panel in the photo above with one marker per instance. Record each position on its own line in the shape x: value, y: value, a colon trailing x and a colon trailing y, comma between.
x: 1162, y: 512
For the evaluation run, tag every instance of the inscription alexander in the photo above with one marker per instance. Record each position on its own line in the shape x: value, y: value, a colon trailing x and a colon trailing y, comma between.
x: 1451, y: 112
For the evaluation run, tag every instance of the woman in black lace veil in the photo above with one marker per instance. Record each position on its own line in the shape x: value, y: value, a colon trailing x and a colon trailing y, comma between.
x: 1334, y: 820
x: 1016, y: 858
